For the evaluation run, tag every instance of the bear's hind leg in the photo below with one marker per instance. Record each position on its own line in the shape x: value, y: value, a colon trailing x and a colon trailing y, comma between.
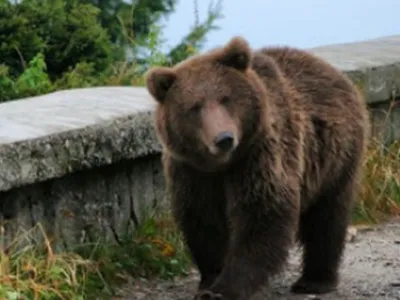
x: 323, y: 231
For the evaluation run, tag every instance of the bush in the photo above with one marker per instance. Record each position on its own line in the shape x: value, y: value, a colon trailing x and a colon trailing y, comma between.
x: 71, y: 43
x: 33, y: 81
x: 64, y: 32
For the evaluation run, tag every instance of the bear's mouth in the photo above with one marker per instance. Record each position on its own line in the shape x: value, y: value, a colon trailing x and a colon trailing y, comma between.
x: 215, y: 163
x: 220, y: 157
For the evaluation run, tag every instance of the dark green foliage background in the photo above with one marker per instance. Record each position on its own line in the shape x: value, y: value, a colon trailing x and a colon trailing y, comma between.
x: 47, y: 45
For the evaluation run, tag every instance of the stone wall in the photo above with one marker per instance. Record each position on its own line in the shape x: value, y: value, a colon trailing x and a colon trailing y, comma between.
x: 85, y: 163
x: 80, y: 207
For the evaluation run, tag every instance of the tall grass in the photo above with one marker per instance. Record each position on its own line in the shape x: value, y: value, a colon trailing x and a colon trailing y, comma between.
x: 379, y: 194
x: 35, y: 271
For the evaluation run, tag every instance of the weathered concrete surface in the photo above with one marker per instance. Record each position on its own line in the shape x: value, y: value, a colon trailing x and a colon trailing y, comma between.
x: 370, y: 271
x: 67, y: 110
x: 373, y: 64
x: 52, y: 135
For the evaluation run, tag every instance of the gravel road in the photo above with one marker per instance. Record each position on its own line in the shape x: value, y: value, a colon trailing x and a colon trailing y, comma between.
x: 370, y: 270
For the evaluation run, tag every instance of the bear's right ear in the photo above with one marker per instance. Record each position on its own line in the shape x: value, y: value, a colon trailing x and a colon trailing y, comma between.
x: 158, y: 82
x: 236, y: 54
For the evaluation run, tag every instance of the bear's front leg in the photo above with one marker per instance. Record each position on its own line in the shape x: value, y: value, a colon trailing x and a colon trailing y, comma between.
x: 264, y: 218
x: 199, y: 207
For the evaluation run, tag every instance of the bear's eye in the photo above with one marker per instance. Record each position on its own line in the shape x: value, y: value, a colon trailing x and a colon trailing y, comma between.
x: 225, y: 100
x: 195, y: 108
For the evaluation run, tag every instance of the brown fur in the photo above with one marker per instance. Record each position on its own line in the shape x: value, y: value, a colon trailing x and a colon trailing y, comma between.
x: 299, y: 129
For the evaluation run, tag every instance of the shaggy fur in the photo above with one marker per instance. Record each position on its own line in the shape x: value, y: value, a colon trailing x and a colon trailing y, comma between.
x: 260, y: 148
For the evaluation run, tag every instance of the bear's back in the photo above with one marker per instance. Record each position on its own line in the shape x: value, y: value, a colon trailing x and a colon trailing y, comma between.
x: 337, y: 118
x: 324, y: 89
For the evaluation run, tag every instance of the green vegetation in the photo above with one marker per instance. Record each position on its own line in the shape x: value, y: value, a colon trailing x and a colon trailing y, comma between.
x: 48, y: 45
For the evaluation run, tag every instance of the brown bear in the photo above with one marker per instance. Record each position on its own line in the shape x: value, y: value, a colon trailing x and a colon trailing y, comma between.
x: 261, y: 149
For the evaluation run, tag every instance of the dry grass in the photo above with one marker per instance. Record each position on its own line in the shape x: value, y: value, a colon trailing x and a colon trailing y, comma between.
x: 34, y: 271
x: 30, y: 271
x: 379, y: 195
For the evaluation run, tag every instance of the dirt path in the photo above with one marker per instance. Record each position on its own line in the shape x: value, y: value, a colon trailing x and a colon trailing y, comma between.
x: 370, y: 270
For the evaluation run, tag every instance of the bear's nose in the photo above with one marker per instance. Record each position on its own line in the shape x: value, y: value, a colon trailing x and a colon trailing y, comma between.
x: 224, y: 141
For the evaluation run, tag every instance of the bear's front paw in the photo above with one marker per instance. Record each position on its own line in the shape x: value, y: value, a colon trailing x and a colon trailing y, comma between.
x: 304, y: 286
x: 208, y: 295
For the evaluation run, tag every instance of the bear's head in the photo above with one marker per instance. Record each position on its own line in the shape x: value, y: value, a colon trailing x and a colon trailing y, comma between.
x: 210, y: 106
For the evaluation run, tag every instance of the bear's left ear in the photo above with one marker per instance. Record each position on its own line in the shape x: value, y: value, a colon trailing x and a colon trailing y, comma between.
x: 158, y: 81
x: 236, y: 54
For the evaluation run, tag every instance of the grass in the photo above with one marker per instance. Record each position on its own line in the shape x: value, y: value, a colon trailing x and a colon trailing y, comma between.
x: 34, y: 271
x: 379, y: 194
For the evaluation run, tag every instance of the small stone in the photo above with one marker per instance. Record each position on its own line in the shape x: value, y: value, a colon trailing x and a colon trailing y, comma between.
x: 395, y: 284
x: 314, y: 297
x: 351, y: 234
x: 140, y: 295
x: 365, y: 228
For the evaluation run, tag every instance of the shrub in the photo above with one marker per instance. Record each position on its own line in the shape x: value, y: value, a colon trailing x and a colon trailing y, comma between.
x: 78, y: 43
x: 65, y: 32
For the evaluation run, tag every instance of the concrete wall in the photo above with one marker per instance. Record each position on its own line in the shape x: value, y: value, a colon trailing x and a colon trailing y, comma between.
x: 85, y: 163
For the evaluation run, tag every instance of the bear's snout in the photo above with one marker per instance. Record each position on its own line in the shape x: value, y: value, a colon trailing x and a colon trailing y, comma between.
x: 224, y: 141
x: 223, y: 144
x: 219, y: 131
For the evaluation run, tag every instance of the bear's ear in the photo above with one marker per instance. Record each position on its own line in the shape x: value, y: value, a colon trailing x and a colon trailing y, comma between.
x: 158, y: 82
x: 236, y: 54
